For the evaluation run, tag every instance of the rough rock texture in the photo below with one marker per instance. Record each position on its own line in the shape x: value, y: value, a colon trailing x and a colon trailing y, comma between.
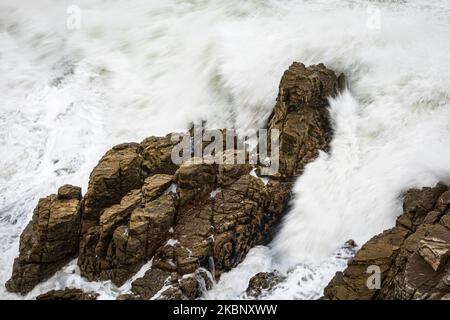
x: 412, y: 256
x: 121, y: 208
x: 160, y: 284
x: 117, y: 173
x: 68, y: 294
x: 49, y: 241
x: 199, y: 219
x: 263, y: 281
x: 224, y: 211
x: 127, y: 236
x: 301, y: 116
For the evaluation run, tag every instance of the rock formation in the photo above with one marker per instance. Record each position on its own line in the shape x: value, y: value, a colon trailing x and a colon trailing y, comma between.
x: 301, y: 116
x: 263, y: 281
x: 49, y: 241
x: 68, y: 294
x: 412, y: 258
x: 194, y: 221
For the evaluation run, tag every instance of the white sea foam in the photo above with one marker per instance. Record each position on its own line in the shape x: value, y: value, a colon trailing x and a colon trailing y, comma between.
x: 139, y: 68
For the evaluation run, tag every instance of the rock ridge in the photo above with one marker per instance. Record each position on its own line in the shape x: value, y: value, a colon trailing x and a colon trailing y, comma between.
x: 194, y: 221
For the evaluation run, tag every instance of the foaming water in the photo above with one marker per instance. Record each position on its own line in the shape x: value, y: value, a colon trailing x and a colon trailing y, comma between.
x: 139, y: 68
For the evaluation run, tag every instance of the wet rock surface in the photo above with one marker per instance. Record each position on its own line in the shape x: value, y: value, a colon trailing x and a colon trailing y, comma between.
x: 123, y: 215
x: 301, y: 116
x: 195, y: 220
x: 412, y: 257
x: 263, y: 281
x: 49, y: 241
x: 68, y: 294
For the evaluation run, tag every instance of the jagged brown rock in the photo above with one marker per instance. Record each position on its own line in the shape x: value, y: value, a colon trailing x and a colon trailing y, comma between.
x: 163, y: 285
x: 194, y: 179
x: 263, y: 281
x: 197, y: 220
x: 117, y: 173
x: 49, y: 241
x: 156, y: 153
x: 214, y: 230
x: 435, y: 251
x: 118, y: 208
x: 155, y: 185
x: 68, y: 294
x: 301, y: 116
x: 117, y: 249
x: 412, y: 256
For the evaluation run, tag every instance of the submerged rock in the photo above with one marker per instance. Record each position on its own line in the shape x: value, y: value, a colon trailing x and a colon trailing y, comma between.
x: 197, y: 220
x: 410, y: 260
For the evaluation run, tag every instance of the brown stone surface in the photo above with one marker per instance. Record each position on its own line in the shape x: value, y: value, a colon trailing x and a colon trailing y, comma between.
x: 127, y: 237
x: 223, y: 211
x: 412, y: 256
x: 68, y: 294
x: 49, y: 241
x: 301, y: 116
x: 117, y: 173
x: 199, y: 219
x: 154, y: 280
x: 122, y: 188
x: 156, y: 152
x: 195, y: 179
x: 263, y: 281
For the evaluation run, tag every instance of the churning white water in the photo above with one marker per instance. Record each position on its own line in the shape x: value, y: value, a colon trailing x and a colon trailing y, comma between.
x: 140, y: 68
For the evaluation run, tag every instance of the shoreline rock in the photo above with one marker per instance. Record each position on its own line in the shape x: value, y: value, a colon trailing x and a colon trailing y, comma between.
x: 68, y: 294
x: 49, y: 241
x: 412, y: 258
x: 197, y: 220
x: 263, y: 281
